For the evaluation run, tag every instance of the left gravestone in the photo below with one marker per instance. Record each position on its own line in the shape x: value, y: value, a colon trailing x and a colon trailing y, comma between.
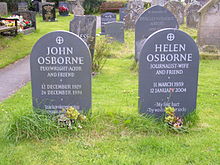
x: 61, y: 73
x: 48, y: 12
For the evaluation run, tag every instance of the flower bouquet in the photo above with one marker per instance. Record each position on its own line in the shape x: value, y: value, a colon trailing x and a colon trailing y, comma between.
x: 22, y: 23
x: 63, y: 11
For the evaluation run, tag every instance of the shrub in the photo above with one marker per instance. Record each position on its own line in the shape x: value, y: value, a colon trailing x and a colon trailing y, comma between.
x: 102, y: 49
x: 92, y: 6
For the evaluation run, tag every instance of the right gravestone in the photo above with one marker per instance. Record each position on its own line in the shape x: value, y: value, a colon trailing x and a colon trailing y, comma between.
x: 153, y: 19
x: 168, y: 73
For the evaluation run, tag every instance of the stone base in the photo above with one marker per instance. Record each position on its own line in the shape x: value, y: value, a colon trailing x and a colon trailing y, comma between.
x: 28, y: 31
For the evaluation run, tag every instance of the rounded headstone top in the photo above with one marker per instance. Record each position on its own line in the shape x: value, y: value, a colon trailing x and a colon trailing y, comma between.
x: 171, y: 35
x: 160, y: 11
x: 151, y: 20
x: 56, y: 38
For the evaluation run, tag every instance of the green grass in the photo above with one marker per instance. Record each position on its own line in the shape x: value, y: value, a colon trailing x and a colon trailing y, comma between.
x: 116, y: 133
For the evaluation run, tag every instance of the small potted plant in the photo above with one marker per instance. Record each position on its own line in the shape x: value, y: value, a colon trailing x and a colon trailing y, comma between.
x: 63, y: 11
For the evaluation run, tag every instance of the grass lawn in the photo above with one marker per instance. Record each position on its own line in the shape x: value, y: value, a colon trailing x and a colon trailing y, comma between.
x: 116, y: 133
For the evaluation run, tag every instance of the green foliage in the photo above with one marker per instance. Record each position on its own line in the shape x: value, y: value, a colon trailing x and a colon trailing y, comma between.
x: 102, y: 49
x: 33, y: 126
x: 92, y: 6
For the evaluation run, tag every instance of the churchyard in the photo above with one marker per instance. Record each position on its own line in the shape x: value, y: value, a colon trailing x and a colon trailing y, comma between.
x: 103, y: 89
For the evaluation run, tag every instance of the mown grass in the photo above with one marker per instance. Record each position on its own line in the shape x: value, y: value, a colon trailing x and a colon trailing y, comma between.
x: 115, y: 133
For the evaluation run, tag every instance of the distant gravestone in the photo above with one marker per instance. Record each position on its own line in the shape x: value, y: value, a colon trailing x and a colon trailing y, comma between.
x: 48, y: 12
x: 78, y: 9
x: 202, y: 2
x: 168, y: 73
x: 134, y: 9
x: 159, y: 2
x: 40, y: 7
x: 123, y: 13
x: 3, y: 8
x: 153, y: 19
x: 85, y: 28
x: 115, y: 30
x: 209, y: 24
x: 106, y: 18
x: 192, y: 15
x: 22, y: 6
x: 177, y: 9
x: 61, y: 73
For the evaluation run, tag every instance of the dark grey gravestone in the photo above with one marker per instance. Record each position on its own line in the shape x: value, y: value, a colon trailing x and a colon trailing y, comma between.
x: 177, y: 9
x: 123, y: 13
x: 115, y: 30
x: 105, y: 18
x: 48, y: 12
x: 153, y: 19
x: 22, y: 6
x: 168, y: 73
x: 85, y: 28
x: 3, y: 8
x: 192, y: 15
x: 28, y: 15
x: 61, y: 72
